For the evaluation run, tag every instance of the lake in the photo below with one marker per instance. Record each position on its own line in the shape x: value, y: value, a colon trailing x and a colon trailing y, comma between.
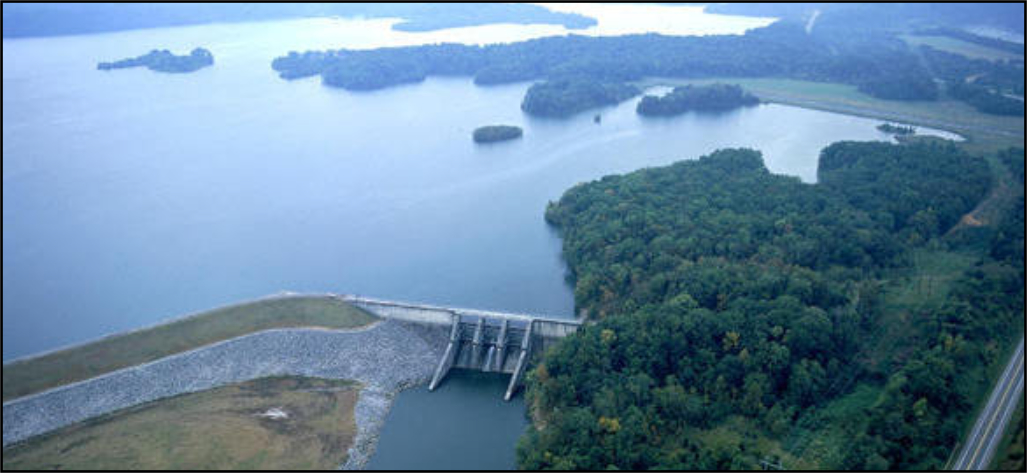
x: 130, y: 196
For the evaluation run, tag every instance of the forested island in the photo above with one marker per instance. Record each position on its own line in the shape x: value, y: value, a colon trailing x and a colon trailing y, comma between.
x: 896, y: 129
x: 565, y: 97
x: 494, y: 133
x: 743, y: 317
x: 164, y: 61
x: 712, y: 97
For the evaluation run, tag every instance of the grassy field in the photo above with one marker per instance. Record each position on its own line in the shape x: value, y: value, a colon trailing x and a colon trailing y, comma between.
x: 223, y: 428
x: 953, y: 45
x: 108, y: 354
x: 984, y: 132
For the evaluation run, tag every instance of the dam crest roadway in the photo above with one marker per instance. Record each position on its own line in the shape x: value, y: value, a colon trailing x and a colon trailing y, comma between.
x: 489, y: 341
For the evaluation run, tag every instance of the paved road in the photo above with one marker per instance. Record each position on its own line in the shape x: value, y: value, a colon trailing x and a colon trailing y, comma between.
x: 984, y: 439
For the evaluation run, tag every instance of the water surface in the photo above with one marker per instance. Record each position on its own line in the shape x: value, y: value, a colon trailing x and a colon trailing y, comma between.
x: 131, y: 196
x: 415, y: 437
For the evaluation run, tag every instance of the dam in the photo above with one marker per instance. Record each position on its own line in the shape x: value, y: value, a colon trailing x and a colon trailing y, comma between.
x: 489, y: 341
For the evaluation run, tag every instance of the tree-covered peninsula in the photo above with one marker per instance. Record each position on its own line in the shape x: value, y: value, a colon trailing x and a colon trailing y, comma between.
x: 494, y: 133
x: 566, y: 97
x: 747, y: 319
x: 880, y: 67
x: 712, y: 97
x: 164, y: 61
x: 845, y: 46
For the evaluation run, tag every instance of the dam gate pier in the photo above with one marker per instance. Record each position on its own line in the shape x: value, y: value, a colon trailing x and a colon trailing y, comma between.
x: 479, y: 340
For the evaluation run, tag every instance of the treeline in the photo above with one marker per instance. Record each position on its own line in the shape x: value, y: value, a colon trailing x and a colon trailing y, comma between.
x: 963, y: 35
x: 725, y: 294
x: 985, y: 100
x: 1008, y: 242
x: 980, y: 83
x: 878, y: 178
x: 710, y: 97
x: 843, y: 48
x: 566, y: 97
x: 1003, y: 76
x: 779, y: 50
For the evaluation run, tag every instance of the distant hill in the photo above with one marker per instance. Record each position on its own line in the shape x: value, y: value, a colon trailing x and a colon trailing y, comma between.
x: 1007, y: 16
x: 25, y: 20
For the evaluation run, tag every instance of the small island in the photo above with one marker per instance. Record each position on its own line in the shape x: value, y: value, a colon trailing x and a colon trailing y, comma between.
x: 896, y: 129
x: 494, y: 133
x: 164, y: 61
x: 713, y: 97
x: 565, y: 97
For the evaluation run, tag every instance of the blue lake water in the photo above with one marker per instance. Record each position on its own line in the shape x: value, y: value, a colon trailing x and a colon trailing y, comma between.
x: 130, y: 196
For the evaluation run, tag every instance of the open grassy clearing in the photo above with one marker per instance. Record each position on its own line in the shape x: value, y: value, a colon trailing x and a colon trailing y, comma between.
x: 825, y: 440
x: 269, y: 423
x: 123, y: 350
x: 910, y: 296
x: 984, y: 132
x: 957, y: 46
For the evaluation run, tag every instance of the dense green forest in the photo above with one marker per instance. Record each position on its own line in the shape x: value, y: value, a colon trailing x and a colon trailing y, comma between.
x: 850, y: 45
x: 164, y: 61
x: 1001, y: 76
x: 893, y: 183
x: 885, y: 69
x: 980, y: 83
x: 986, y: 100
x: 712, y: 97
x: 566, y: 97
x: 735, y: 307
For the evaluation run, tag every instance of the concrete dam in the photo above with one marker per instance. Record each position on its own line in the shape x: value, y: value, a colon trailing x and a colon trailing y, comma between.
x: 490, y: 341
